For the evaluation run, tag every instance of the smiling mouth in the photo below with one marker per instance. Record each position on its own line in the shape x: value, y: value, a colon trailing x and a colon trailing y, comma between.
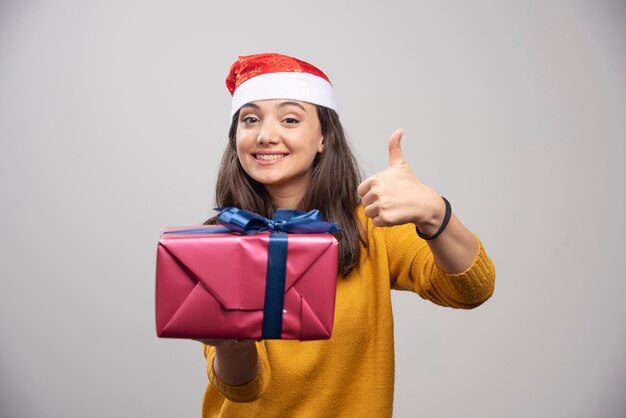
x: 269, y: 157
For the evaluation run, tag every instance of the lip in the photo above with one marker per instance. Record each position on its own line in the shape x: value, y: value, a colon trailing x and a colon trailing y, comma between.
x: 268, y: 161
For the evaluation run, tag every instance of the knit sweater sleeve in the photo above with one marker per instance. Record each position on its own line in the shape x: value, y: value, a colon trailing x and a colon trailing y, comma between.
x: 244, y: 393
x: 412, y: 267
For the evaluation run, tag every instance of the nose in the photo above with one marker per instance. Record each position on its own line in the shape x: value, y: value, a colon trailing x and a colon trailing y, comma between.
x: 267, y: 134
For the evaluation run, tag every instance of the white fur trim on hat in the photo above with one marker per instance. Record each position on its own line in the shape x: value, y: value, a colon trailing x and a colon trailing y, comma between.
x: 299, y: 86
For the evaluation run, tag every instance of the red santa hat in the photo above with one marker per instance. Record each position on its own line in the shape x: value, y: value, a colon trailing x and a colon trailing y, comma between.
x: 275, y: 76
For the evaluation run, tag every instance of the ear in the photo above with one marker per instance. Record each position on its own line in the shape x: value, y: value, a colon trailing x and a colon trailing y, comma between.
x: 320, y: 147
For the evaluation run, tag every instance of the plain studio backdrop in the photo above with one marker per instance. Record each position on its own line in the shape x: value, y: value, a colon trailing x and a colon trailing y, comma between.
x: 113, y: 117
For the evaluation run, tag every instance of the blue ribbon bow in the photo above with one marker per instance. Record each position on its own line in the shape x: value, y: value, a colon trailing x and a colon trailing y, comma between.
x: 284, y: 221
x: 290, y: 221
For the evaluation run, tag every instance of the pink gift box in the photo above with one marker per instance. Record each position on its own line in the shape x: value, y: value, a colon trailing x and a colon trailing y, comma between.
x: 212, y: 285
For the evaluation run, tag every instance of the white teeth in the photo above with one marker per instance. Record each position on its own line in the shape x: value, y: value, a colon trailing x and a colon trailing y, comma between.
x: 268, y: 157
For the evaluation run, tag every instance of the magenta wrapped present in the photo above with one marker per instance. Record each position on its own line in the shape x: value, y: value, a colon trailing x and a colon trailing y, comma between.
x: 260, y: 279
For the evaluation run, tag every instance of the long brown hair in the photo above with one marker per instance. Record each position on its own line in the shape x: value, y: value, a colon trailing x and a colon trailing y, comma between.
x: 332, y: 187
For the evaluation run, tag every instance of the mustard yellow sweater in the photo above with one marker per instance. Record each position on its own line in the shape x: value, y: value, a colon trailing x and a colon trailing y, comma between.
x: 352, y: 373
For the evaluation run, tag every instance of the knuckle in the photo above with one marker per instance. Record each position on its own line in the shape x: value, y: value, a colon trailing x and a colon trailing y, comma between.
x: 377, y: 189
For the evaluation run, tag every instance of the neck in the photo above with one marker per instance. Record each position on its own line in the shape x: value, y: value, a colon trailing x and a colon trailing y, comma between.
x: 285, y: 199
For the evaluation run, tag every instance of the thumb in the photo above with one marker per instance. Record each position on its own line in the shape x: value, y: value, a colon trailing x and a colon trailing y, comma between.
x: 395, y: 150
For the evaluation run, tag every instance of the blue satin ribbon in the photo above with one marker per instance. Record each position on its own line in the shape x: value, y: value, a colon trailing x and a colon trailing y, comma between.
x: 291, y: 221
x: 284, y: 221
x: 275, y: 278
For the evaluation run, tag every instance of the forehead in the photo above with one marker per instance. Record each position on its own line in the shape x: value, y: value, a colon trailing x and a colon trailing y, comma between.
x: 277, y: 104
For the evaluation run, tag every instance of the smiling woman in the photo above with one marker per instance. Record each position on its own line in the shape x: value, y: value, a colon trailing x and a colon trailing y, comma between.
x: 287, y: 149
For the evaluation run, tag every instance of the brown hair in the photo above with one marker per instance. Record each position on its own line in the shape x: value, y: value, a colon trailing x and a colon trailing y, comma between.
x: 332, y: 188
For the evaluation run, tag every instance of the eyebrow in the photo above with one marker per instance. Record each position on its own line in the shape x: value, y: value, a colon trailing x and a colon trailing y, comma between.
x: 252, y: 105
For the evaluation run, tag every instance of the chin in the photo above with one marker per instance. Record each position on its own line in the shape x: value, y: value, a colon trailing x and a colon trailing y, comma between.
x: 264, y: 181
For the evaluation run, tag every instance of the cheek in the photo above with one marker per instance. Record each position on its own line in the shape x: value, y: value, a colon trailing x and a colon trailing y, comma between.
x: 238, y: 147
x: 242, y: 142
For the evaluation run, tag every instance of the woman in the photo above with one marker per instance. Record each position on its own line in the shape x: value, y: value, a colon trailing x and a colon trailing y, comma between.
x: 287, y: 149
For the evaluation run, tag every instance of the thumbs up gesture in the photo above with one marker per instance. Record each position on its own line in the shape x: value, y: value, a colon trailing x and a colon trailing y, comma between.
x: 395, y: 196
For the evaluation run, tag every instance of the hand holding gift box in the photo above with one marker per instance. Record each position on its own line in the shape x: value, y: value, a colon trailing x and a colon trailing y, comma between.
x: 254, y: 278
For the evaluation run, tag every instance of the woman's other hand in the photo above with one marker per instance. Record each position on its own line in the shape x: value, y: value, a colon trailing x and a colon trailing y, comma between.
x: 236, y: 361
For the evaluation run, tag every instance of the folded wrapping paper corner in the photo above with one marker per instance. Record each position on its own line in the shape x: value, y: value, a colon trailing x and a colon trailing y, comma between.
x: 212, y: 283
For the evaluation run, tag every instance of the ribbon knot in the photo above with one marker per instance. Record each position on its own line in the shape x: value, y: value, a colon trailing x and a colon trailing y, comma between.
x: 273, y: 225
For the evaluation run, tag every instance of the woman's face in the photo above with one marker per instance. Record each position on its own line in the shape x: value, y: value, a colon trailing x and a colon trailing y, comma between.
x: 277, y: 141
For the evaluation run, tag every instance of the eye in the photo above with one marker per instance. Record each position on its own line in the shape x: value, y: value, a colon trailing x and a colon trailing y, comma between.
x: 291, y: 121
x: 249, y: 119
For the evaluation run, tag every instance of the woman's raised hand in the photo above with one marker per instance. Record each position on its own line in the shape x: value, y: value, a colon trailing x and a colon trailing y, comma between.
x: 395, y: 196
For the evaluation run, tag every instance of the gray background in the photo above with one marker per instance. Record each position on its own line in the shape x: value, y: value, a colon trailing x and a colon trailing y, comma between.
x: 113, y: 116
